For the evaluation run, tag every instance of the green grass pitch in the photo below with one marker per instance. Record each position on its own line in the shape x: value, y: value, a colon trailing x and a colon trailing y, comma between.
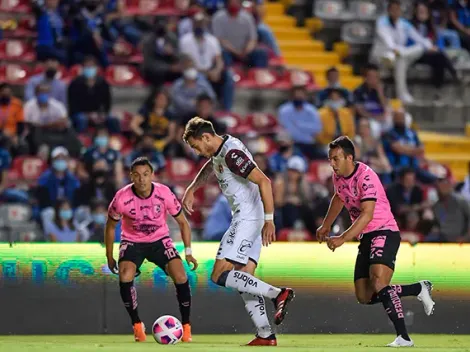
x: 230, y: 343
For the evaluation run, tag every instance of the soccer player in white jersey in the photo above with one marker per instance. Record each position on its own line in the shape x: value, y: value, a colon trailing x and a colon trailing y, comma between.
x: 249, y: 193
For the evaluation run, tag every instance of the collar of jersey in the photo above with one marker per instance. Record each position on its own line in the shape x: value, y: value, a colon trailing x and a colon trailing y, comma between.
x: 355, y: 169
x: 221, y: 146
x: 135, y: 193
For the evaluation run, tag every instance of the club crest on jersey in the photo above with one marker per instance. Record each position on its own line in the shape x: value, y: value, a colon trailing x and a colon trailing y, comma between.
x: 157, y: 208
x: 221, y: 168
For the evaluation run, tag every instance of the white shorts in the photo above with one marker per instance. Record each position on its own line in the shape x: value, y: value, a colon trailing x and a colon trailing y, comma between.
x: 242, y: 241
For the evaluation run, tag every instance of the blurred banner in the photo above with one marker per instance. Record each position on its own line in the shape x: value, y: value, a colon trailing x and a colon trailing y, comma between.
x: 67, y: 288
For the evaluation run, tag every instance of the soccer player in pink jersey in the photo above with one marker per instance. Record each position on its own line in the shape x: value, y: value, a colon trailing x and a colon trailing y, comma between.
x: 250, y: 196
x: 142, y: 207
x: 358, y: 188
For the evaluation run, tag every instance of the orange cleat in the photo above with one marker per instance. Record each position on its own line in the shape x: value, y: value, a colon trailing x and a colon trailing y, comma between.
x: 261, y: 341
x: 139, y: 332
x: 187, y: 333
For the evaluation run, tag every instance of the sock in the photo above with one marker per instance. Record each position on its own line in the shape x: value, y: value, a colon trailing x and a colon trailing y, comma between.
x: 244, y: 282
x: 256, y: 308
x: 392, y: 304
x: 183, y: 294
x: 402, y: 291
x: 129, y: 297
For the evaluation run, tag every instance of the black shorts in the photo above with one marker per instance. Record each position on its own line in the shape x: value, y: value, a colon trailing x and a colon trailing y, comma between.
x: 377, y: 247
x: 160, y: 252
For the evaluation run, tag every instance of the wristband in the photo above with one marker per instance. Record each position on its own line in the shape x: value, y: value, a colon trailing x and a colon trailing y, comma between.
x: 188, y: 251
x: 269, y: 217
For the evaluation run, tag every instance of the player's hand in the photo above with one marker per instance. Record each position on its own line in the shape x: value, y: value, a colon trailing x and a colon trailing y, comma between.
x: 190, y: 259
x: 188, y: 201
x: 335, y: 242
x: 323, y: 232
x: 112, y: 265
x: 268, y: 233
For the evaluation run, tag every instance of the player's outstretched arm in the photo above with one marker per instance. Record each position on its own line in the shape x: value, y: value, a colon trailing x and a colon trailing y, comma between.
x: 201, y: 178
x: 336, y: 205
x: 186, y: 237
x: 264, y: 183
x: 109, y: 242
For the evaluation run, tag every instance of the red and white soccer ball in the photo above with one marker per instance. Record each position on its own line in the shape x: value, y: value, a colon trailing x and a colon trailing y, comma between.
x: 167, y: 330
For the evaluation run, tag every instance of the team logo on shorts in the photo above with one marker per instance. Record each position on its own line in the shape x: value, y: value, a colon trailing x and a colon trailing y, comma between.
x: 244, y: 247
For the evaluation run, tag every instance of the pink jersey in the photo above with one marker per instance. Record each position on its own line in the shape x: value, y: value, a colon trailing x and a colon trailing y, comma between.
x: 144, y: 220
x: 363, y: 185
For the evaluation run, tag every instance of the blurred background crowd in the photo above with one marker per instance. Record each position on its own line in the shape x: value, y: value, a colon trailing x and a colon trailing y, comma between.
x: 86, y: 86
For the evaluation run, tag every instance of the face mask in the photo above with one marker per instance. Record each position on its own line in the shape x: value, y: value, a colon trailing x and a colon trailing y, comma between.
x: 5, y: 100
x: 147, y: 150
x: 65, y: 214
x: 160, y: 31
x: 198, y: 32
x: 99, y: 219
x: 334, y: 104
x: 59, y: 165
x: 284, y: 148
x: 43, y: 98
x: 233, y: 10
x: 50, y: 73
x: 190, y: 74
x: 400, y: 127
x: 298, y: 103
x: 100, y: 173
x: 101, y: 141
x: 89, y: 72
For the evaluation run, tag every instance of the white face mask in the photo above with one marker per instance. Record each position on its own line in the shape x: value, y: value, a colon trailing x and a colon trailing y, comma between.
x: 190, y: 73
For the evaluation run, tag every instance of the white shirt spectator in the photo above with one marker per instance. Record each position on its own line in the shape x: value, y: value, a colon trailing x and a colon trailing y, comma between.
x: 35, y: 115
x: 202, y: 52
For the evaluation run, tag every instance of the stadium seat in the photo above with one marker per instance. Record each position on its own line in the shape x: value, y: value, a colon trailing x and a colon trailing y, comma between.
x: 13, y: 49
x: 124, y: 118
x: 150, y: 7
x: 257, y: 78
x: 85, y: 139
x: 23, y: 28
x: 295, y: 77
x: 14, y: 74
x: 235, y: 124
x: 26, y: 169
x: 180, y: 169
x: 319, y: 171
x: 331, y: 10
x: 125, y: 53
x: 120, y: 143
x: 289, y: 235
x: 62, y: 72
x: 15, y: 6
x: 123, y: 76
x: 366, y: 9
x: 357, y: 33
x: 262, y: 123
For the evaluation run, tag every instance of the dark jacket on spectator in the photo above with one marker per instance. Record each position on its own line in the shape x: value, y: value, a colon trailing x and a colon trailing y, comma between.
x: 91, y: 190
x: 50, y: 188
x: 83, y: 98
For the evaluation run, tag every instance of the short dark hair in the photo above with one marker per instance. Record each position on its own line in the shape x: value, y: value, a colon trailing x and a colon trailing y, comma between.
x: 330, y: 70
x: 370, y: 67
x: 406, y: 170
x: 141, y: 161
x: 89, y: 59
x: 345, y: 144
x: 203, y: 97
x: 4, y: 85
x: 196, y: 127
x: 393, y: 2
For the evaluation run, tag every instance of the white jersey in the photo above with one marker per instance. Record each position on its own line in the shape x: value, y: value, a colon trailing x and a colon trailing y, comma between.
x: 232, y: 164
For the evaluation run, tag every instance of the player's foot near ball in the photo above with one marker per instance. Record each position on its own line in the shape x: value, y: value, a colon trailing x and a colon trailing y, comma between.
x: 139, y: 332
x: 281, y: 302
x: 263, y: 341
x: 425, y: 297
x: 187, y: 333
x: 401, y: 342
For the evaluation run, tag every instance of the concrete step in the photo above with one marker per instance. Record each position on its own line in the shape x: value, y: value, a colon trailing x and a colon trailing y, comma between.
x: 274, y: 8
x: 307, y: 58
x: 279, y: 20
x: 286, y: 33
x: 298, y: 45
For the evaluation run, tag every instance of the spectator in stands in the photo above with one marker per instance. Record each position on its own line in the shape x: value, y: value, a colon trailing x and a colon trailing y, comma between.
x: 204, y: 49
x: 51, y: 40
x: 98, y: 186
x: 146, y: 147
x: 390, y: 46
x: 60, y: 228
x: 90, y: 100
x: 332, y: 79
x: 292, y: 196
x: 156, y: 118
x: 440, y: 18
x: 161, y: 61
x: 236, y: 30
x: 460, y: 20
x: 218, y: 220
x: 265, y: 35
x: 404, y: 148
x: 119, y: 24
x: 57, y: 182
x: 11, y: 111
x: 185, y: 25
x: 48, y: 120
x: 186, y: 89
x: 369, y: 150
x: 94, y: 232
x: 435, y: 58
x: 452, y: 213
x: 101, y: 150
x: 465, y: 187
x: 51, y: 77
x: 406, y: 197
x: 337, y: 120
x: 5, y: 162
x: 286, y: 149
x: 302, y: 121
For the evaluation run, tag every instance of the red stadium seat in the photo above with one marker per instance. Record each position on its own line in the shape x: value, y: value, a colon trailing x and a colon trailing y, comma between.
x: 291, y: 78
x: 15, y: 6
x: 150, y: 7
x: 124, y: 118
x: 14, y: 73
x: 124, y: 53
x: 85, y: 139
x: 266, y: 145
x: 23, y: 28
x: 319, y: 171
x: 123, y: 76
x: 235, y: 124
x: 180, y: 169
x: 62, y: 72
x: 258, y: 78
x: 26, y: 168
x: 289, y: 235
x: 262, y: 123
x: 12, y: 49
x: 120, y: 143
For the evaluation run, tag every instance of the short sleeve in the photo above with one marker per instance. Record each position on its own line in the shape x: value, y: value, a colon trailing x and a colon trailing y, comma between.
x: 114, y: 210
x: 368, y: 185
x: 173, y: 206
x: 239, y: 163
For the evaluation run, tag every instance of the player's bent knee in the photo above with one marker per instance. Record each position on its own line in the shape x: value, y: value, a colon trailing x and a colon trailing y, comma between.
x: 180, y: 278
x: 220, y: 279
x: 362, y: 299
x: 377, y: 283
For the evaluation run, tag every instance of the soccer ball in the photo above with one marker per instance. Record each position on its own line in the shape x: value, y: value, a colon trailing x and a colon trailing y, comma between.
x: 167, y: 330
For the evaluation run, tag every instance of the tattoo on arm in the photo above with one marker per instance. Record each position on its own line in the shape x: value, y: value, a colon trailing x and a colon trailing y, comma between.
x: 202, y: 176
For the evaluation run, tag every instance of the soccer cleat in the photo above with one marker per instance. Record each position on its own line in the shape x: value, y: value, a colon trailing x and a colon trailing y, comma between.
x: 263, y: 341
x: 280, y: 303
x: 139, y: 332
x: 187, y: 333
x: 401, y: 342
x: 425, y: 297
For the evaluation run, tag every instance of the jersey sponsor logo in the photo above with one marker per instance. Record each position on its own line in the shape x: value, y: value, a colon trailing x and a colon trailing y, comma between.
x: 248, y: 280
x: 234, y: 155
x: 239, y: 161
x: 232, y: 232
x: 127, y: 202
x: 244, y: 247
x: 244, y: 167
x: 146, y: 228
x: 132, y: 211
x: 143, y: 207
x: 365, y: 186
x: 355, y: 212
x: 367, y: 178
x: 159, y: 198
x: 261, y: 306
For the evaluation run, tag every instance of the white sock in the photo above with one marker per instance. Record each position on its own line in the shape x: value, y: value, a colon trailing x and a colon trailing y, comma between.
x: 244, y: 282
x: 256, y: 308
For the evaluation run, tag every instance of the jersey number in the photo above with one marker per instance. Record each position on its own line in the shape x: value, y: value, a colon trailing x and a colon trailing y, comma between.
x: 170, y: 253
